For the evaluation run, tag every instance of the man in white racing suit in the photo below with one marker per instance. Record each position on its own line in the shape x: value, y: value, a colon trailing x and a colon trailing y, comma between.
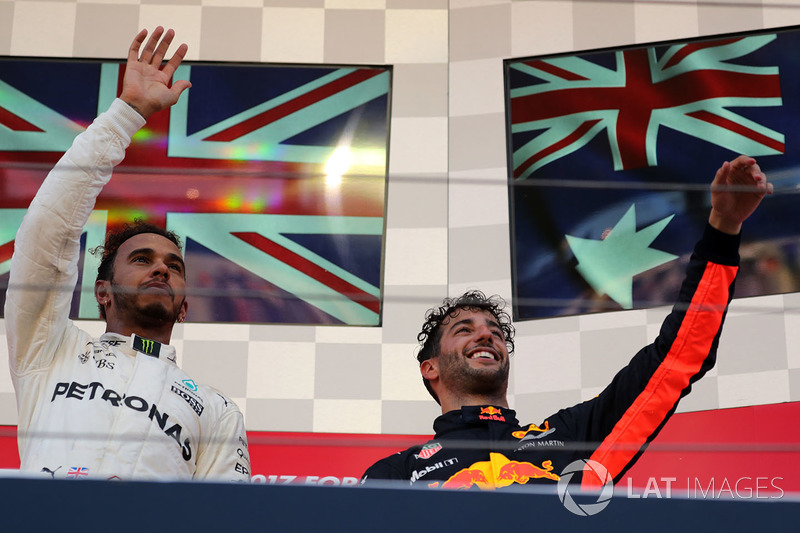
x: 117, y: 407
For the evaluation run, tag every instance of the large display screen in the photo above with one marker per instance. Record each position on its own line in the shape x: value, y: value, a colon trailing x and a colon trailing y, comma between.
x: 274, y: 175
x: 611, y: 153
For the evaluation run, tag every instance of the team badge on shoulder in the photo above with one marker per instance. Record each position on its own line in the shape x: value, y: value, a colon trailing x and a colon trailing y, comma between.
x: 429, y: 450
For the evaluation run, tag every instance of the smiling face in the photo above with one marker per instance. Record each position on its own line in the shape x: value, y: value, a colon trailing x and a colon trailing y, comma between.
x: 147, y: 286
x: 473, y: 356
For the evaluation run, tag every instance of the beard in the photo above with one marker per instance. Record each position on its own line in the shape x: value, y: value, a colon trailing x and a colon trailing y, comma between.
x: 153, y: 314
x: 456, y: 372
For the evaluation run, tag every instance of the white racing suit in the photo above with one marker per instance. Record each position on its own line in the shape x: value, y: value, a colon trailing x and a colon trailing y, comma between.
x: 114, y: 407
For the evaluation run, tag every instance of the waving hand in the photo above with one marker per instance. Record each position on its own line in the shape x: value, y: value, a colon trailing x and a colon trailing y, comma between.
x: 146, y: 85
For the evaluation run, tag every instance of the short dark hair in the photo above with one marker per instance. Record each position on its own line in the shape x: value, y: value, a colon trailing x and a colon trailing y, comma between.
x: 475, y: 300
x: 115, y: 239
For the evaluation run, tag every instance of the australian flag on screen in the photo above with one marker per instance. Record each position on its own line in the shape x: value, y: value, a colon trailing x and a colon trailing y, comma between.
x: 239, y: 168
x: 611, y: 154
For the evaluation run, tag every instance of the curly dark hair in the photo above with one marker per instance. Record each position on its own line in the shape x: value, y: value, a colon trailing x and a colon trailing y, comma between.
x: 108, y: 252
x: 473, y: 300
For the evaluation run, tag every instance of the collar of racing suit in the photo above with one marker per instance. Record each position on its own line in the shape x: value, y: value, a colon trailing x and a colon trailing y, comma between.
x: 135, y: 344
x: 471, y: 415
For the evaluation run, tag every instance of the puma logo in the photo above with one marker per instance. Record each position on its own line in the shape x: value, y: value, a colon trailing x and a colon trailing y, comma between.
x: 51, y: 472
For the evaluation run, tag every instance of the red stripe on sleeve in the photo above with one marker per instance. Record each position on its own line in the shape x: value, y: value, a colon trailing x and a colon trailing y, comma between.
x: 684, y: 360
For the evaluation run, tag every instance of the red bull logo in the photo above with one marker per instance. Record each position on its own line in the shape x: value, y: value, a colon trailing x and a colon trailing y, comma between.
x: 521, y: 473
x: 499, y: 472
x: 465, y: 479
x: 491, y: 413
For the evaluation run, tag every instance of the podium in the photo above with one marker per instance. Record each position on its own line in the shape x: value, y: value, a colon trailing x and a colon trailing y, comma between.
x: 120, y: 506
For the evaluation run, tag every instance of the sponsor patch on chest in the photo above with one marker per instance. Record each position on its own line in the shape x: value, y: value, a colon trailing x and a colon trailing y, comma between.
x: 100, y: 354
x: 188, y: 394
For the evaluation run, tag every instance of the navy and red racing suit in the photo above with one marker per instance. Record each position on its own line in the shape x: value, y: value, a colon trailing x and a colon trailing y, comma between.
x: 486, y: 447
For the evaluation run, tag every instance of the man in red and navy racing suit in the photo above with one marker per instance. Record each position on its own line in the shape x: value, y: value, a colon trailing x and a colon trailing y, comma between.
x: 118, y: 406
x: 464, y: 364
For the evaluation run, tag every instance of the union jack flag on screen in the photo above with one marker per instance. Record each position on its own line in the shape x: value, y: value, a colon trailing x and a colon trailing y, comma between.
x: 273, y: 175
x: 626, y: 142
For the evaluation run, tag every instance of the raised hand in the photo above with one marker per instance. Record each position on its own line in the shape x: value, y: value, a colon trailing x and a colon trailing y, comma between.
x: 146, y: 85
x: 737, y: 189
